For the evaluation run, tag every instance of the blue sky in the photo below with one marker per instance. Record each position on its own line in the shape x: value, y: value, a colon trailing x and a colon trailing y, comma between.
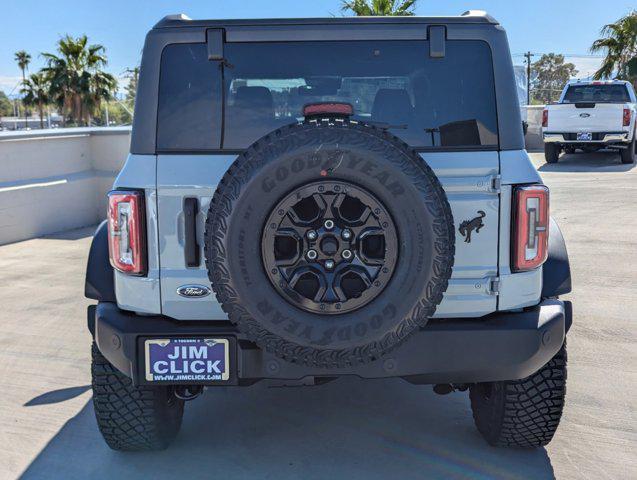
x: 563, y: 26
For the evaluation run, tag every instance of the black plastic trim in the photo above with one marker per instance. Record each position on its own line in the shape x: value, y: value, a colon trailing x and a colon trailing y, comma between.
x: 502, y: 346
x: 556, y: 271
x: 214, y: 39
x: 99, y: 283
x: 437, y: 37
x: 191, y: 247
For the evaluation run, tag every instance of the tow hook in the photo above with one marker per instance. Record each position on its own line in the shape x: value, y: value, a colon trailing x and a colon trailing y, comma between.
x: 446, y: 388
x: 188, y: 392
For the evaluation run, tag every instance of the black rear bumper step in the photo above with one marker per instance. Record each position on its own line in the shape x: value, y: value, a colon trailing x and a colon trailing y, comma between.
x: 501, y: 346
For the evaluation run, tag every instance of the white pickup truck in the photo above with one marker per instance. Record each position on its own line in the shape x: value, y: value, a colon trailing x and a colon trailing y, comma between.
x: 590, y: 116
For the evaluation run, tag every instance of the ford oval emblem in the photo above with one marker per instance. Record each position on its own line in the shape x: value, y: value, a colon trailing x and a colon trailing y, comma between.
x: 584, y: 115
x: 193, y: 291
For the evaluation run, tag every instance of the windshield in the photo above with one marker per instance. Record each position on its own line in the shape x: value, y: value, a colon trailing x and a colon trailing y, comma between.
x: 600, y: 93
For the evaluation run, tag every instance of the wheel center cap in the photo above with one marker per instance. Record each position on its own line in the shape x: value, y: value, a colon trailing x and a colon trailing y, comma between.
x: 329, y: 245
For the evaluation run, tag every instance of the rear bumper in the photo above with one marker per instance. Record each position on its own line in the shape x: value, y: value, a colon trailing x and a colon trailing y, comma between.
x: 502, y: 346
x: 597, y: 138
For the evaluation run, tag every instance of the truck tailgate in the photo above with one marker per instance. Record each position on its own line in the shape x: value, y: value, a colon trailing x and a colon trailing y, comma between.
x: 588, y: 117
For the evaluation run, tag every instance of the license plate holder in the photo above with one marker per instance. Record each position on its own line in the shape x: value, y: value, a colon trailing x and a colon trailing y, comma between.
x: 188, y: 360
x: 584, y: 136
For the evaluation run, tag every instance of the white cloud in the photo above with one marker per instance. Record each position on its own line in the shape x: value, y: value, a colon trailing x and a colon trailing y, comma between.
x: 586, y: 66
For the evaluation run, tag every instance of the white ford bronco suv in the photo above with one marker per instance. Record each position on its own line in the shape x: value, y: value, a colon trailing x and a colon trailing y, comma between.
x: 307, y: 199
x: 592, y: 115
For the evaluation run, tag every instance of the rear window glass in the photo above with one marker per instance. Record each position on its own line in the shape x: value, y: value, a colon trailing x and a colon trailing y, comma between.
x: 427, y: 101
x: 189, y: 109
x: 597, y: 94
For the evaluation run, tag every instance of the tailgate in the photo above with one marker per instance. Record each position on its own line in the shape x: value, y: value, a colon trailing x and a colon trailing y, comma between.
x: 467, y: 177
x: 585, y: 117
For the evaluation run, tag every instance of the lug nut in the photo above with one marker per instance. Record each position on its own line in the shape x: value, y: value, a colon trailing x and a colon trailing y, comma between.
x: 329, y: 224
x: 311, y: 255
x: 346, y: 234
x: 346, y: 254
x: 311, y: 235
x: 329, y: 264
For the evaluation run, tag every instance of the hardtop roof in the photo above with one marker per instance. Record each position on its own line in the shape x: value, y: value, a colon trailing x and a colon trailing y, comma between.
x: 469, y: 17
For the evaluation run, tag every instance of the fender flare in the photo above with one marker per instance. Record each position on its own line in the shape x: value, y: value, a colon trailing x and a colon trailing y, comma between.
x: 556, y: 271
x: 100, y: 284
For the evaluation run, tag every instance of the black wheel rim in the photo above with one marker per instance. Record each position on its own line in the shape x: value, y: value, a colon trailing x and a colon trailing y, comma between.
x: 329, y: 247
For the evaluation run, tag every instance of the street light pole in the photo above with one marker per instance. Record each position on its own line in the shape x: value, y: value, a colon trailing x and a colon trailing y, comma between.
x: 528, y: 56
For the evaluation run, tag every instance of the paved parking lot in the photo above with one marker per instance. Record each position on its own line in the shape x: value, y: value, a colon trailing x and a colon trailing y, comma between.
x: 345, y: 429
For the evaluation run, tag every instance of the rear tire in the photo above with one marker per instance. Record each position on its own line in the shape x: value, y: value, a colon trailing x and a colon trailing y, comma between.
x: 132, y: 418
x: 551, y: 152
x: 628, y: 155
x: 522, y: 413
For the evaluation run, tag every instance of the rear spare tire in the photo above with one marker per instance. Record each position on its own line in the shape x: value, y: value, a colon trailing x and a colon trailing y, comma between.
x: 329, y: 242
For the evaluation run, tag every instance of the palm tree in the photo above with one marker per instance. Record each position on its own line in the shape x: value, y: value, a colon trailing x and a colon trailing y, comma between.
x: 23, y: 59
x: 379, y: 7
x: 619, y: 41
x: 78, y: 85
x: 36, y: 93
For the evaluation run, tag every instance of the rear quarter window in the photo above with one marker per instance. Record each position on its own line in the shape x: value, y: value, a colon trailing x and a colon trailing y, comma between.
x: 189, y: 108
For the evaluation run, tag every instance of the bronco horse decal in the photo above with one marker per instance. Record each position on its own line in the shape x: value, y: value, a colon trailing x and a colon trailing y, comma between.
x: 468, y: 226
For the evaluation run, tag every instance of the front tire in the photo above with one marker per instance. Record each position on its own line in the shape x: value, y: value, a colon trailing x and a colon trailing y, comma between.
x: 132, y: 418
x: 628, y: 155
x: 522, y: 413
x: 551, y: 152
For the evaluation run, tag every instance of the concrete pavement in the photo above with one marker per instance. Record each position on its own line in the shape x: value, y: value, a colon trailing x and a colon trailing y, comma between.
x: 348, y: 428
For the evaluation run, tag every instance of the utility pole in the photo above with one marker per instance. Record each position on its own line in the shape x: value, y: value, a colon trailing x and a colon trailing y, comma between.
x: 528, y: 56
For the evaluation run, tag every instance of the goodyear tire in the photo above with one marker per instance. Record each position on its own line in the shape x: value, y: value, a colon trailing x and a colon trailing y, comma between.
x: 522, y: 413
x: 324, y: 186
x: 132, y: 418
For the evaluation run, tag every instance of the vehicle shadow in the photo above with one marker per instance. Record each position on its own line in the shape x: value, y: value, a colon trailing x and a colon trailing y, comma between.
x: 588, y: 162
x: 57, y: 396
x: 345, y: 429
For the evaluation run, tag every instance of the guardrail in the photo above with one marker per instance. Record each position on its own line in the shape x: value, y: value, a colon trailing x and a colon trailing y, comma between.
x: 56, y: 180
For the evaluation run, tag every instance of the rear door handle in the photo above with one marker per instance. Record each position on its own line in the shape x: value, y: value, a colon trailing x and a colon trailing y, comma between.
x: 191, y: 247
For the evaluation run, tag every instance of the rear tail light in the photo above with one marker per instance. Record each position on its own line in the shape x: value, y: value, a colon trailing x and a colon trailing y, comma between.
x: 126, y: 229
x: 530, y: 226
x: 626, y: 117
x: 545, y: 118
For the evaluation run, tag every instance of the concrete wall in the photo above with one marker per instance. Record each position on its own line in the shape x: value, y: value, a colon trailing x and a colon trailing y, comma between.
x: 55, y: 180
x: 533, y: 137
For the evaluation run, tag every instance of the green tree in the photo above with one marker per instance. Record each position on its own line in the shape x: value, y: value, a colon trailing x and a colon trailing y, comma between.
x: 6, y: 107
x: 23, y: 59
x: 133, y: 79
x: 35, y: 91
x: 379, y: 7
x: 619, y: 41
x: 78, y: 85
x: 550, y: 76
